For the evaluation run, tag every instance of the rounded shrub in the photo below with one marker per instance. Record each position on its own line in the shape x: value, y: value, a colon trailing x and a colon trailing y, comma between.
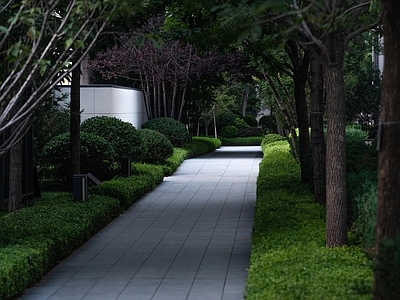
x: 123, y: 136
x: 225, y: 118
x: 239, y: 123
x: 250, y: 120
x: 156, y: 147
x: 174, y: 130
x: 272, y: 138
x: 229, y: 131
x: 97, y: 156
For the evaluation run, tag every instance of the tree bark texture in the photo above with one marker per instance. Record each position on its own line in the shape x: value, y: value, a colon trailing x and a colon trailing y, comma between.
x: 317, y: 124
x: 15, y: 180
x: 301, y: 66
x: 336, y: 203
x: 387, y: 259
x: 75, y: 120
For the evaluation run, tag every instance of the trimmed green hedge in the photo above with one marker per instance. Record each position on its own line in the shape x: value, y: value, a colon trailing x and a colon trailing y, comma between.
x: 35, y: 238
x: 289, y: 259
x: 198, y: 146
x: 242, y: 141
x: 130, y: 189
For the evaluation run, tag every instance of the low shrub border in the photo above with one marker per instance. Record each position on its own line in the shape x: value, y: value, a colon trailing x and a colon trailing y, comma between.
x: 289, y: 259
x: 37, y: 237
x: 242, y: 141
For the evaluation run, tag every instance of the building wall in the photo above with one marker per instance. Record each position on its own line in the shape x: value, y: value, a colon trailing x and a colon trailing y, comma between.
x: 124, y: 103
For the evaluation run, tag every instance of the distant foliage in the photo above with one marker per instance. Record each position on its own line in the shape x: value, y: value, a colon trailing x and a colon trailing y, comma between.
x: 156, y: 146
x: 175, y: 131
x: 97, y: 156
x: 123, y: 136
x: 229, y: 131
x: 250, y: 120
x: 239, y: 123
x: 252, y: 131
x: 226, y: 118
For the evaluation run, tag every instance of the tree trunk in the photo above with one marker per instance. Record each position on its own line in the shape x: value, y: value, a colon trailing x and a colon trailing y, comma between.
x: 75, y: 120
x: 300, y: 80
x: 386, y: 263
x: 336, y: 204
x: 183, y: 102
x: 284, y: 112
x: 317, y: 124
x: 245, y: 99
x: 164, y: 92
x: 15, y: 180
x: 173, y: 98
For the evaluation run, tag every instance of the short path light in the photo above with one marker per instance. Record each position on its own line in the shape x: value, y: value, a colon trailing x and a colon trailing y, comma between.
x: 80, y: 187
x: 126, y: 166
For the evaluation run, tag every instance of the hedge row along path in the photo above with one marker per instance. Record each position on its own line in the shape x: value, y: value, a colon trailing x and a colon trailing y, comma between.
x: 190, y: 238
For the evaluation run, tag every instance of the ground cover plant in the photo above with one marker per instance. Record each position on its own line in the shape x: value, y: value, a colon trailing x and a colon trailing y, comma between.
x: 289, y: 259
x: 35, y: 238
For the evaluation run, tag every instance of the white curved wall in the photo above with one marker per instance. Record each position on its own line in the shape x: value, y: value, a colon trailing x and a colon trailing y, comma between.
x: 126, y: 104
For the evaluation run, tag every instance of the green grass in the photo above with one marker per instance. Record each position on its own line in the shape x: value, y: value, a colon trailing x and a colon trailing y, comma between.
x: 289, y: 259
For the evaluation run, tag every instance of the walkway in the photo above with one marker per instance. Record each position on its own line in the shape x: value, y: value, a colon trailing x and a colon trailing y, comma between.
x: 187, y: 239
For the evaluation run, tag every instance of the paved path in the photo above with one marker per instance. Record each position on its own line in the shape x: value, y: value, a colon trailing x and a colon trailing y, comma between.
x: 187, y: 239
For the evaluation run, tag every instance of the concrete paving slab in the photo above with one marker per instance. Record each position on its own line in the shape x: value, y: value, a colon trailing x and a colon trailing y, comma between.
x: 189, y: 239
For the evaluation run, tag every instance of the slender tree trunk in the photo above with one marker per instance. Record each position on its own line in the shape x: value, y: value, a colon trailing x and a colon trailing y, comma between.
x: 15, y: 180
x: 75, y: 120
x: 245, y: 99
x: 155, y: 100
x: 159, y: 99
x: 336, y: 202
x: 317, y: 124
x: 164, y: 92
x: 300, y: 80
x: 183, y: 102
x: 387, y: 263
x: 284, y: 111
x: 173, y: 98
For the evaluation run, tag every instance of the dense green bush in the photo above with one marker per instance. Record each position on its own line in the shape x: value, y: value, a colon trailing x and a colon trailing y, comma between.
x: 97, y: 156
x: 359, y: 155
x: 250, y: 120
x: 239, y: 123
x: 364, y: 226
x: 130, y: 189
x: 156, y: 147
x: 35, y: 238
x: 289, y: 259
x: 212, y: 143
x: 175, y: 131
x: 272, y: 138
x: 229, y: 131
x: 242, y: 141
x: 122, y: 135
x: 252, y: 131
x: 226, y: 118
